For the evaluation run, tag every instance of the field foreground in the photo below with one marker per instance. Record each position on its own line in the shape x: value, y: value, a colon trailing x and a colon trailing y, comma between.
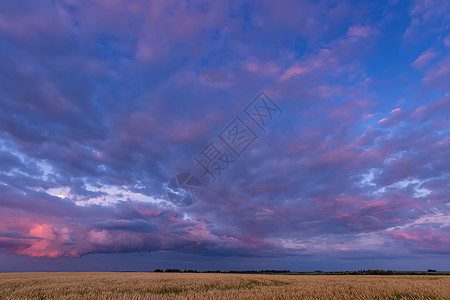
x: 219, y: 286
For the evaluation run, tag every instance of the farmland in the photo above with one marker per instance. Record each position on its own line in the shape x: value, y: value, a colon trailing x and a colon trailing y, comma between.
x: 219, y: 286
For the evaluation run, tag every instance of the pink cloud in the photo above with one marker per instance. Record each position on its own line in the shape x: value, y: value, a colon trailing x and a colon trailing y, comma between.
x: 447, y: 41
x: 429, y: 240
x: 424, y: 59
x: 359, y: 31
x: 427, y: 16
x: 292, y: 72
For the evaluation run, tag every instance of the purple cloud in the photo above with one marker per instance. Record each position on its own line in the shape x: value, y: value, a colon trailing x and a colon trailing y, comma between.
x: 101, y: 103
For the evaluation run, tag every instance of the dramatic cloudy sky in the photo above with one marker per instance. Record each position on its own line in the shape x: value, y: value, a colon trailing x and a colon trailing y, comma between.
x: 102, y: 102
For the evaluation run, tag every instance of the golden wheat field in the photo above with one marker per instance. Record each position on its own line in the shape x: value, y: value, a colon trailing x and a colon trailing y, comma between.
x: 219, y: 286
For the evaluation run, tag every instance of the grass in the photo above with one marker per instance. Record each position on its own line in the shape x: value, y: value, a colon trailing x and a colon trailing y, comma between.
x: 219, y: 286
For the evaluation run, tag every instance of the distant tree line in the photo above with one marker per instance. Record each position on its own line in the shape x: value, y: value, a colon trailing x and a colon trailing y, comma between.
x: 364, y: 272
x: 219, y: 271
x: 261, y: 272
x: 317, y: 272
x: 374, y: 272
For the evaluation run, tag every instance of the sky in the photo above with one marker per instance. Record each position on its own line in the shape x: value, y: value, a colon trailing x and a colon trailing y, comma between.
x: 315, y: 135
